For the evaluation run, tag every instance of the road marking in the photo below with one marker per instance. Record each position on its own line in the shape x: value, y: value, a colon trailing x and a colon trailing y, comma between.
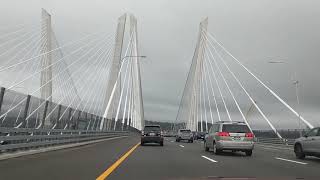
x: 298, y: 162
x: 106, y: 173
x: 171, y: 141
x: 181, y: 145
x: 209, y: 159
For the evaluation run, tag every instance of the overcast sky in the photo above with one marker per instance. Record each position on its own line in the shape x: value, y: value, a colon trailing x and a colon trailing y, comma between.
x: 255, y: 31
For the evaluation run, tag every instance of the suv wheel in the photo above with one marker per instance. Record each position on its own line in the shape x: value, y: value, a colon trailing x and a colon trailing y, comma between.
x: 249, y: 153
x: 299, y: 152
x: 205, y: 146
x: 215, y: 150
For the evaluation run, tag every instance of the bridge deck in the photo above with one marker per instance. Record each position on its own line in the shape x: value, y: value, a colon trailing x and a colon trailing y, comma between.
x: 173, y: 161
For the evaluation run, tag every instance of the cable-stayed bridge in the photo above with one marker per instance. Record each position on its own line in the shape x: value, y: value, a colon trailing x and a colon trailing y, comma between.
x: 213, y: 90
x: 87, y: 84
x: 57, y: 98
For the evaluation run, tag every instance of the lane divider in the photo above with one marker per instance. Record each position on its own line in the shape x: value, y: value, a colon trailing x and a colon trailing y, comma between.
x: 288, y: 160
x: 181, y: 146
x: 212, y: 160
x: 106, y: 173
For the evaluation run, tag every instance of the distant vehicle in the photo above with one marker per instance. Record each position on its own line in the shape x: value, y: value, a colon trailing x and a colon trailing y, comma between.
x: 234, y: 136
x: 151, y: 134
x: 184, y: 134
x: 308, y: 145
x: 168, y: 134
x: 200, y: 135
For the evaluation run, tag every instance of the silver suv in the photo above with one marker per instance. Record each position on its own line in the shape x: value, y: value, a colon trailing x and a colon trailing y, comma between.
x: 184, y: 134
x: 234, y: 136
x: 308, y: 145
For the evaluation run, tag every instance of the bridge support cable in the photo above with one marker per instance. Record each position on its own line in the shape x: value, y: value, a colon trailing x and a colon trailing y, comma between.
x: 240, y: 84
x: 52, y: 64
x: 212, y: 91
x: 204, y: 100
x: 99, y: 59
x: 95, y: 98
x: 77, y: 82
x: 208, y: 93
x: 220, y: 92
x: 26, y: 48
x: 23, y: 61
x: 89, y: 88
x: 308, y: 124
x: 129, y: 83
x: 32, y: 93
x: 38, y: 88
x: 30, y: 35
x: 23, y: 71
x: 66, y: 80
x: 228, y: 87
x: 121, y: 94
x: 65, y: 65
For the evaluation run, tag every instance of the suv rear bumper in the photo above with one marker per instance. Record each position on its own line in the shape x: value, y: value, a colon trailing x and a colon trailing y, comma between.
x: 151, y: 139
x: 185, y: 138
x: 233, y: 145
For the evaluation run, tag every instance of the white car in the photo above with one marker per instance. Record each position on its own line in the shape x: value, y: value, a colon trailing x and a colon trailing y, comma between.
x: 308, y: 145
x: 184, y: 134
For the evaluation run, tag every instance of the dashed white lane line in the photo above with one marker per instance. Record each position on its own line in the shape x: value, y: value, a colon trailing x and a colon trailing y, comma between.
x: 209, y: 159
x: 181, y: 146
x: 171, y: 141
x: 298, y: 162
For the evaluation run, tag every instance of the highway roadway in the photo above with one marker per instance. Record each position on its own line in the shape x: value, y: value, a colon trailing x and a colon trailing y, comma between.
x: 172, y: 161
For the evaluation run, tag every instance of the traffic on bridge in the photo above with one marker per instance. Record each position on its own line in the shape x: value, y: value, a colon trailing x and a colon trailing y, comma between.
x: 159, y: 90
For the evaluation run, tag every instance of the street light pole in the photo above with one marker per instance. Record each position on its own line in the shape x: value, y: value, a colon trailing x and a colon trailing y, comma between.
x: 296, y: 84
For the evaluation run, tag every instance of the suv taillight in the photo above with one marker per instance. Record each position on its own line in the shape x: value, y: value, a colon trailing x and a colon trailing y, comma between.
x: 249, y: 135
x: 223, y: 134
x: 142, y: 133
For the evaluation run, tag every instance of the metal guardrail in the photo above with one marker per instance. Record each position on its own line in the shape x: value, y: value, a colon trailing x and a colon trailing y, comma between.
x: 275, y: 141
x: 19, y: 138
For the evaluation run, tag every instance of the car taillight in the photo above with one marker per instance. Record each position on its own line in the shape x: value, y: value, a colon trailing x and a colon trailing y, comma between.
x: 223, y: 134
x: 249, y: 135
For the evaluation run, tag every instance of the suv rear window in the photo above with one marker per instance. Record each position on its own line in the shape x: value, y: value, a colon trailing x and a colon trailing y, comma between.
x: 152, y: 128
x: 235, y: 128
x: 185, y: 131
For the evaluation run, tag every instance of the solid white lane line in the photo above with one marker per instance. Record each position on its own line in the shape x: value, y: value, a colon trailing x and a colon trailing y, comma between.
x: 209, y: 159
x: 298, y: 162
x: 181, y: 145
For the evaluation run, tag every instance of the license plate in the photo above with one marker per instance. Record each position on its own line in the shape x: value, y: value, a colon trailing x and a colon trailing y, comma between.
x: 237, y: 138
x: 152, y: 134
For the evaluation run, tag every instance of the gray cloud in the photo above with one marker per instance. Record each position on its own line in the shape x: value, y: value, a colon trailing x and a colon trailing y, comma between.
x: 254, y: 31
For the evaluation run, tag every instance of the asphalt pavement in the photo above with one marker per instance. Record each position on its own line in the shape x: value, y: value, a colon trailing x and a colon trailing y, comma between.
x: 151, y: 162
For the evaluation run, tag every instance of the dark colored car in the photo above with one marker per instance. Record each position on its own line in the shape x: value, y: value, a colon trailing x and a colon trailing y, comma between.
x: 200, y: 135
x: 151, y: 134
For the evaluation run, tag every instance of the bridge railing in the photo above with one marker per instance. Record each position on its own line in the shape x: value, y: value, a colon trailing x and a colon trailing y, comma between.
x: 275, y: 141
x: 24, y: 138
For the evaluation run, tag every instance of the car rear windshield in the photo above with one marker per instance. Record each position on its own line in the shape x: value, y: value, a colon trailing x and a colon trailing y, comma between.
x: 235, y: 128
x: 185, y: 131
x: 152, y: 128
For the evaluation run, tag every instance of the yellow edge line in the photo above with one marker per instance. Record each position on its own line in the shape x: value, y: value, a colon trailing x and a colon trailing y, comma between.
x: 106, y: 173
